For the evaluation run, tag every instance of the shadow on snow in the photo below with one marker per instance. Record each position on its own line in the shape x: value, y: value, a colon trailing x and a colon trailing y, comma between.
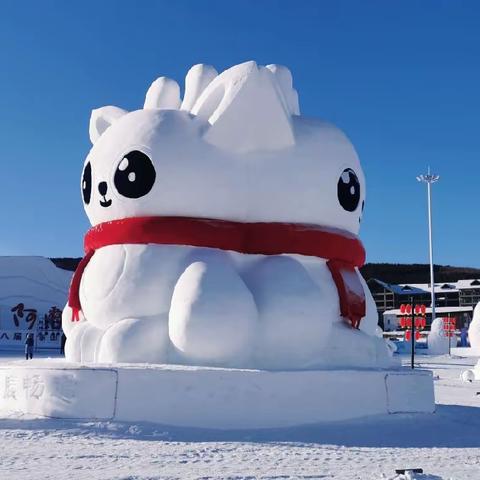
x: 451, y: 426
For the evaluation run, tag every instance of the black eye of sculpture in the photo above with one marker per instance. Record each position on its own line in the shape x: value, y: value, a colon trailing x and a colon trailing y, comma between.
x: 135, y: 175
x: 87, y: 183
x: 348, y: 190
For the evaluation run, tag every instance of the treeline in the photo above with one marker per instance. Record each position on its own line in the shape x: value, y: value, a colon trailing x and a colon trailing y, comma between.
x: 417, y: 273
x: 387, y: 272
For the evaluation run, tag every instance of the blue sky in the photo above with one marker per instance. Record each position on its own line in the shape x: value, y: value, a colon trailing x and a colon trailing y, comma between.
x: 401, y: 78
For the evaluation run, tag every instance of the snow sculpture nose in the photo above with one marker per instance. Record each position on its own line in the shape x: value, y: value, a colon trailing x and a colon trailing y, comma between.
x: 102, y: 188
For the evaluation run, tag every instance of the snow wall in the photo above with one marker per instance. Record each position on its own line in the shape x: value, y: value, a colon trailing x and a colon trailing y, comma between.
x: 32, y: 293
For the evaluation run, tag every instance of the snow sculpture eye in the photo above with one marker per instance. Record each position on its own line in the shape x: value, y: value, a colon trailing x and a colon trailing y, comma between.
x: 87, y: 183
x: 135, y: 175
x: 348, y: 190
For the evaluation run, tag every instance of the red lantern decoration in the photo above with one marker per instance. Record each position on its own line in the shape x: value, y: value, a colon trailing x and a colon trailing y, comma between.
x: 402, y: 308
x: 449, y: 325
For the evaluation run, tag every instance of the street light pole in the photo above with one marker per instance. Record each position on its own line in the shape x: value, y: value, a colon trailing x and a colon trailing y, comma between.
x: 429, y: 179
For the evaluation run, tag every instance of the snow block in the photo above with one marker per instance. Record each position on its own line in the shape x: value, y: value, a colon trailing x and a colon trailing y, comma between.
x: 420, y: 391
x: 211, y: 397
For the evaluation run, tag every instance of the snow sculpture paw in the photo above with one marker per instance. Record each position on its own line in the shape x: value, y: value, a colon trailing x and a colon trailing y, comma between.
x: 212, y: 317
x: 135, y: 340
x: 294, y: 319
x: 73, y: 331
x: 129, y: 340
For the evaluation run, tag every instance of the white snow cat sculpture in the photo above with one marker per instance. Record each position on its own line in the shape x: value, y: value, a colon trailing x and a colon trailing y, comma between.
x: 224, y: 232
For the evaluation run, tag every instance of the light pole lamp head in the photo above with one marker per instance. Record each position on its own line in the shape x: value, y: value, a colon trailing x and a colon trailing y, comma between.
x: 428, y: 178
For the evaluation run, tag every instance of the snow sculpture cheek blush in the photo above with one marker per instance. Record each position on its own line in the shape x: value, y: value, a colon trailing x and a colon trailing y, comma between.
x: 224, y: 232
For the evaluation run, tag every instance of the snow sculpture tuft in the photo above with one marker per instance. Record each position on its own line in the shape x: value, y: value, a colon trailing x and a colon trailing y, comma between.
x: 224, y: 232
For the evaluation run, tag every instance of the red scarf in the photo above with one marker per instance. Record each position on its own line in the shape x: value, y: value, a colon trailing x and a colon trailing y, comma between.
x: 343, y: 251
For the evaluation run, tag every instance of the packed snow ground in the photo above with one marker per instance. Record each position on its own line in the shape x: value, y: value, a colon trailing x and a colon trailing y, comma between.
x: 446, y: 444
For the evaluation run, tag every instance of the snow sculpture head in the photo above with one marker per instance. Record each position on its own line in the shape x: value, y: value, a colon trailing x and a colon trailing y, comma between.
x: 235, y: 148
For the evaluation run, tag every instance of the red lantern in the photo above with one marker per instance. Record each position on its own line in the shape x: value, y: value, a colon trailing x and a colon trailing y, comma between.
x: 417, y: 335
x: 408, y: 335
x: 423, y: 308
x: 402, y: 308
x: 408, y: 309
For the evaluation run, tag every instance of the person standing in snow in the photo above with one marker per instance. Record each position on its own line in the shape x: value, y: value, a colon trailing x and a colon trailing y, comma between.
x: 29, y: 346
x: 63, y: 340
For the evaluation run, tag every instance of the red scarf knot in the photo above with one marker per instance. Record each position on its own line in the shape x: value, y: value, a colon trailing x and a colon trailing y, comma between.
x: 343, y: 250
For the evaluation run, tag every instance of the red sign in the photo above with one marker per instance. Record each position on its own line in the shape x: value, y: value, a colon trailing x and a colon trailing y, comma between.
x: 449, y: 325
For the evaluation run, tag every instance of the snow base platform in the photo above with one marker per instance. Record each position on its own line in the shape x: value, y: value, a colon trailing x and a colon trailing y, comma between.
x: 209, y: 397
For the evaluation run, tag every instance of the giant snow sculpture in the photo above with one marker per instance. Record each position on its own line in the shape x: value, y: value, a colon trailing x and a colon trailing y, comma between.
x: 224, y: 232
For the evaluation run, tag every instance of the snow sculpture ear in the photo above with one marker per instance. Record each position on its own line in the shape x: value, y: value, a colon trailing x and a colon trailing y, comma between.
x: 246, y: 110
x: 164, y: 94
x: 101, y: 119
x: 285, y: 82
x: 197, y: 79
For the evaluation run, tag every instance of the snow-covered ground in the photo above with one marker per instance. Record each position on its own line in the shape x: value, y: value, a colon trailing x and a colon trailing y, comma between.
x: 446, y: 444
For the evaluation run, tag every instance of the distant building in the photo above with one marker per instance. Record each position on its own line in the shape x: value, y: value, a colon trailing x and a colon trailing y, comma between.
x: 453, y: 298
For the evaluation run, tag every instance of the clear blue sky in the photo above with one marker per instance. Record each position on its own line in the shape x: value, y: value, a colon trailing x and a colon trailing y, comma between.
x: 402, y: 78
